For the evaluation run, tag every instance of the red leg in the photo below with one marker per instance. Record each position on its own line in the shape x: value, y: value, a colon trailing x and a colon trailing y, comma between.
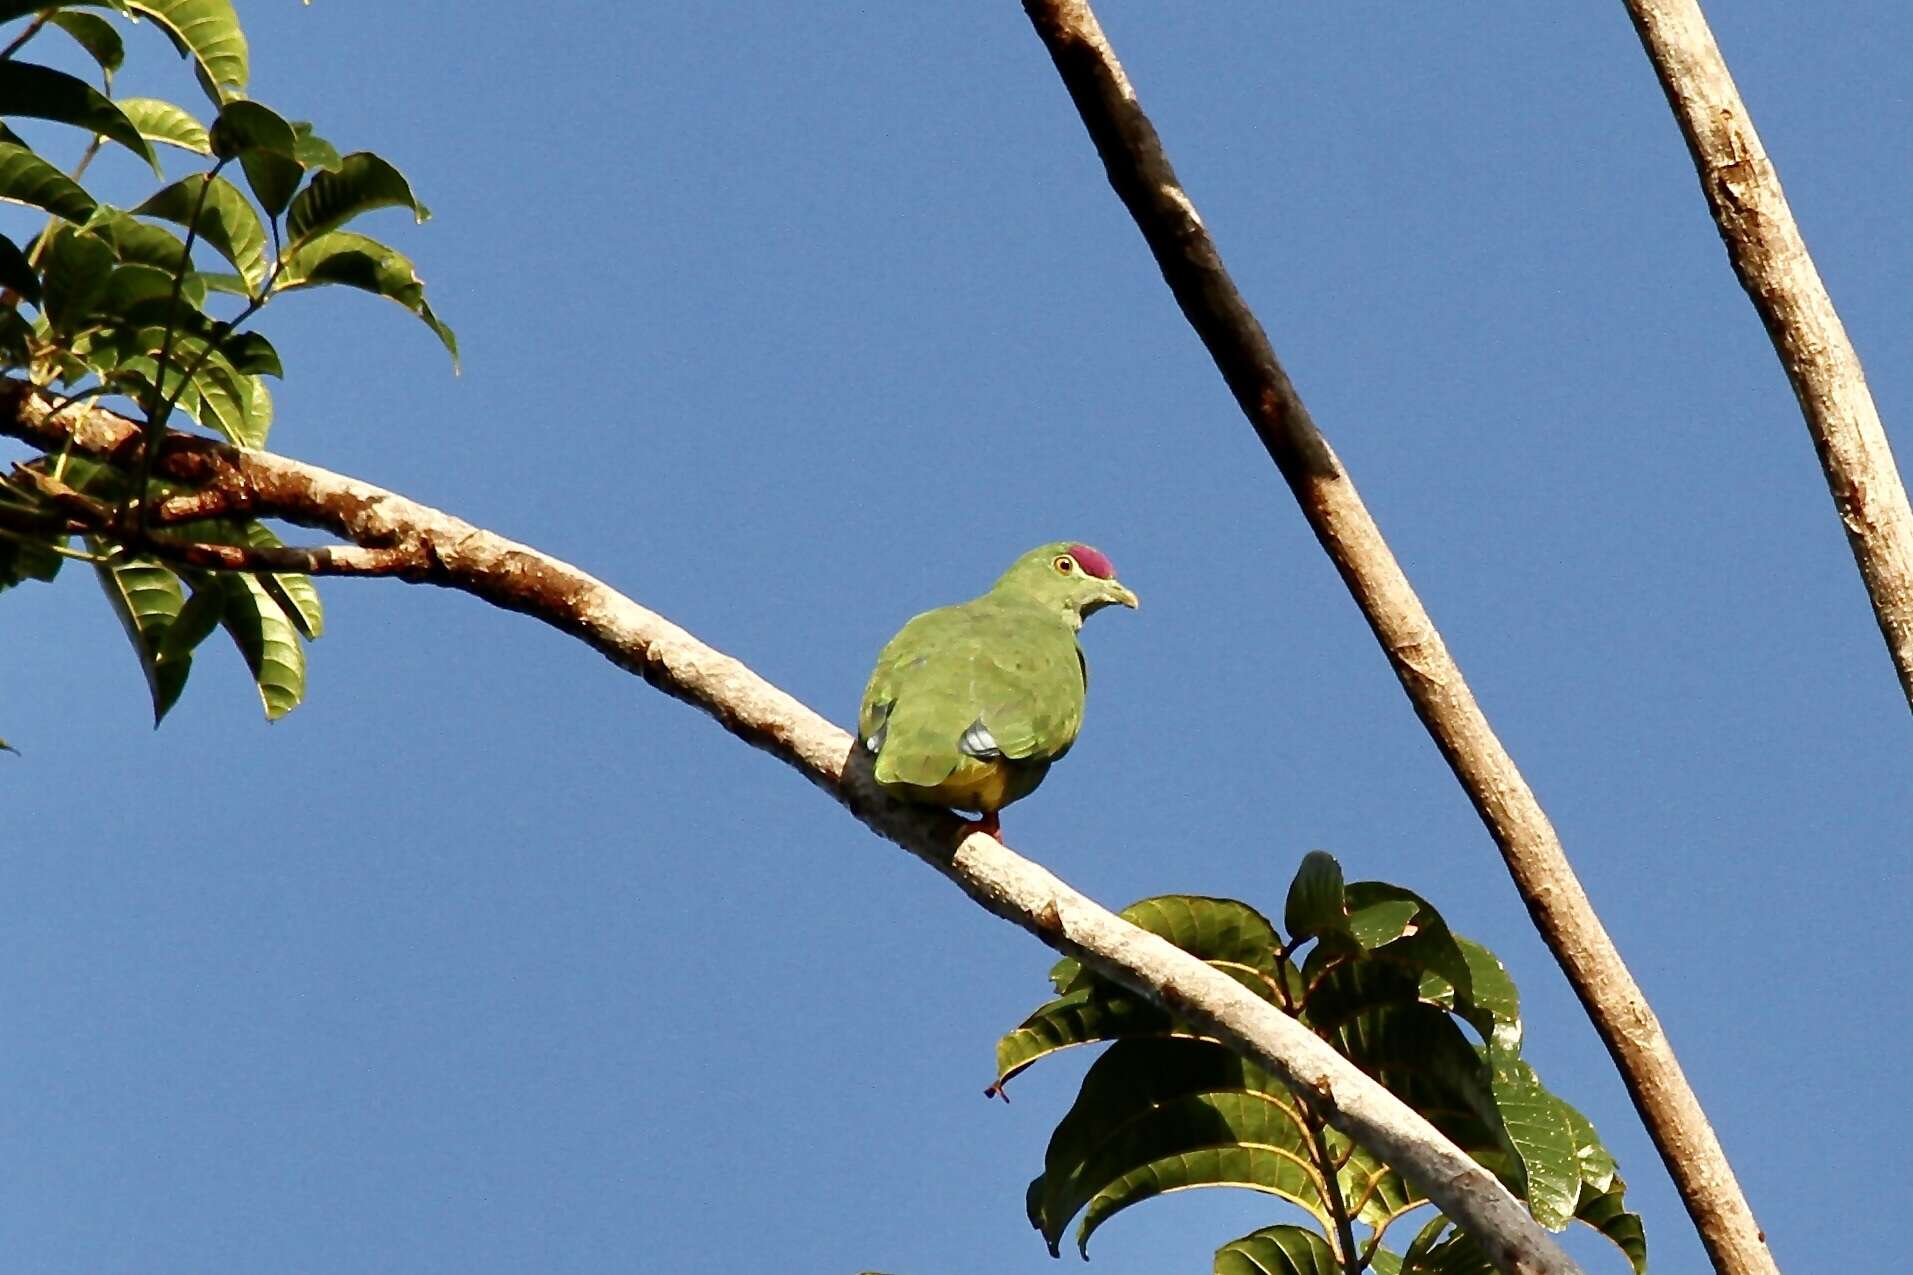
x: 987, y: 825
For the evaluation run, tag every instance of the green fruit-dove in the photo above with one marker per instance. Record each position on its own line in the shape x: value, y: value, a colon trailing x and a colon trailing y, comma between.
x: 970, y: 704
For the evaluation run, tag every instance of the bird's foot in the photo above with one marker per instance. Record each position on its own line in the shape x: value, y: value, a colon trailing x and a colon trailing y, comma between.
x: 987, y: 825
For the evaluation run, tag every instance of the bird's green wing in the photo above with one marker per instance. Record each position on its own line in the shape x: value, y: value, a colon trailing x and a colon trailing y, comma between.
x: 986, y: 678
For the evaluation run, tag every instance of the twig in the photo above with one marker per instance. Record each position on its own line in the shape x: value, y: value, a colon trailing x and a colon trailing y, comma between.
x: 1770, y: 257
x: 520, y: 578
x: 1142, y: 176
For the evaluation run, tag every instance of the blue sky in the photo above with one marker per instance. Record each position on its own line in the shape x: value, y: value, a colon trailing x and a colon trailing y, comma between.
x: 792, y: 321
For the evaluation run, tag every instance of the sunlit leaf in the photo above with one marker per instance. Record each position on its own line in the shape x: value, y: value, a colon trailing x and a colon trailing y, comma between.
x: 358, y: 262
x: 267, y: 640
x: 40, y: 92
x: 162, y: 121
x: 362, y: 183
x: 205, y: 30
x: 312, y: 150
x: 1277, y: 1250
x: 25, y: 178
x: 1543, y: 1137
x: 226, y: 221
x: 147, y: 599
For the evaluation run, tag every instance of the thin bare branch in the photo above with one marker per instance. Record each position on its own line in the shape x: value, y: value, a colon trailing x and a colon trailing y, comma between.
x: 1770, y: 257
x: 453, y: 553
x: 1142, y: 177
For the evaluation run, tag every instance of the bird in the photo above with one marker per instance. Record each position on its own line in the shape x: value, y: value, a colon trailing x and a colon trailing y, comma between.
x: 970, y: 704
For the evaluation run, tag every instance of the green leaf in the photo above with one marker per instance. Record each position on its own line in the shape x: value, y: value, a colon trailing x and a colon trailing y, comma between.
x: 226, y: 221
x: 97, y: 36
x: 312, y: 150
x: 1442, y: 1249
x: 358, y: 262
x: 1605, y: 1212
x: 273, y: 179
x: 295, y: 594
x: 244, y: 125
x: 362, y: 183
x: 147, y: 598
x: 267, y: 640
x: 161, y: 121
x: 267, y: 147
x: 43, y: 93
x: 16, y: 336
x: 1315, y: 907
x: 205, y: 30
x: 1277, y: 1250
x: 194, y: 624
x: 27, y: 179
x: 17, y: 272
x: 1543, y: 1137
x: 78, y: 268
x: 1085, y: 1016
x: 23, y: 558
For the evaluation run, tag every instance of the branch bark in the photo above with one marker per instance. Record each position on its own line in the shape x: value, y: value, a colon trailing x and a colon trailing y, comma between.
x: 1769, y: 256
x: 444, y: 550
x: 1143, y: 178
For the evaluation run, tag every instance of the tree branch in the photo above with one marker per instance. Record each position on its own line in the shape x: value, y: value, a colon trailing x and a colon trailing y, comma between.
x: 450, y: 552
x: 1142, y: 177
x: 1769, y: 256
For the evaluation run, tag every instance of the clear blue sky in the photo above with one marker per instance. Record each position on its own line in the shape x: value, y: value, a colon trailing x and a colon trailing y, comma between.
x: 793, y: 320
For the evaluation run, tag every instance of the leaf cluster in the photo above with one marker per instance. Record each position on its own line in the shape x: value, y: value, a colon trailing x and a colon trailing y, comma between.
x: 1373, y: 970
x: 151, y: 306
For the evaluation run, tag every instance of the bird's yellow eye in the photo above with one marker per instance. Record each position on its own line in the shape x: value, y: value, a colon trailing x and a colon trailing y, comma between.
x: 1064, y: 564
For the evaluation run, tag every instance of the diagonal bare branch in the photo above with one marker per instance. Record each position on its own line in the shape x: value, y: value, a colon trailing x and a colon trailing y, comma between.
x: 1143, y: 178
x: 1771, y: 260
x: 450, y: 552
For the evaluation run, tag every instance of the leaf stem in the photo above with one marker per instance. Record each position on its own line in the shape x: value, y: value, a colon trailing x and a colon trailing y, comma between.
x: 32, y: 29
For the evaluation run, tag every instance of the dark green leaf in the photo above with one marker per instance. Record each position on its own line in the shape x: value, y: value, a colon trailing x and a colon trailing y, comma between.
x: 1277, y: 1250
x: 161, y: 121
x: 1315, y: 905
x: 1442, y: 1249
x: 23, y: 558
x: 16, y: 335
x: 362, y: 183
x: 226, y: 221
x: 43, y: 93
x: 1605, y: 1211
x: 273, y: 179
x: 268, y: 642
x: 359, y: 262
x: 17, y: 273
x: 97, y: 36
x: 27, y: 179
x: 147, y: 599
x: 243, y: 126
x: 78, y: 267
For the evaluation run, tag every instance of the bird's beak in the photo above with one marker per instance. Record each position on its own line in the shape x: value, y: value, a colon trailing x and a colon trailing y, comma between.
x: 1118, y: 593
